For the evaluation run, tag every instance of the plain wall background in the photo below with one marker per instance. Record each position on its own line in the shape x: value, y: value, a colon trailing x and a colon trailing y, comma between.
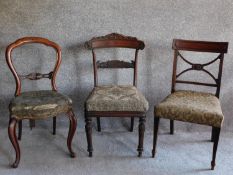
x: 70, y: 23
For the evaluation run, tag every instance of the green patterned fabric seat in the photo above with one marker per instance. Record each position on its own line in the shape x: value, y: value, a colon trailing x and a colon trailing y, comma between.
x: 39, y: 104
x: 190, y: 106
x: 116, y: 98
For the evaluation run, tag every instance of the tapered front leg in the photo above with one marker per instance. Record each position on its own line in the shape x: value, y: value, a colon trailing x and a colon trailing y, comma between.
x: 212, y: 134
x: 32, y: 123
x: 14, y: 141
x: 54, y: 125
x: 88, y: 128
x: 216, y: 134
x: 131, y: 124
x: 72, y: 129
x: 156, y: 128
x: 141, y: 130
x: 20, y: 130
x: 98, y: 124
x: 171, y: 127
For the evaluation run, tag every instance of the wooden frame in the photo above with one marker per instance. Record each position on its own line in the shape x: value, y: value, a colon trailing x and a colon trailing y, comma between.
x: 195, y: 46
x: 114, y: 40
x: 35, y: 76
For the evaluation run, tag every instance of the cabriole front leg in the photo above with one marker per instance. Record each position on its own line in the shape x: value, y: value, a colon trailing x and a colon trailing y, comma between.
x: 141, y: 130
x: 14, y: 141
x: 72, y: 129
x: 20, y: 130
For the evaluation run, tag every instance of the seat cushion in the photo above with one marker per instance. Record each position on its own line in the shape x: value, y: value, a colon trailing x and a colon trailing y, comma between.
x: 190, y: 106
x: 116, y: 98
x: 39, y: 104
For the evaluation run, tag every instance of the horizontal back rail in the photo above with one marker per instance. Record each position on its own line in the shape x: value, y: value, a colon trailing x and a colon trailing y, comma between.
x: 114, y: 64
x: 28, y: 40
x: 115, y: 40
x: 200, y: 46
x: 36, y: 76
x: 196, y: 83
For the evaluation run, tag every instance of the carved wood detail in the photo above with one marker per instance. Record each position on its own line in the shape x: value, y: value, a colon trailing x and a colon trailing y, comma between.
x: 115, y: 64
x: 36, y: 76
x: 114, y: 36
x: 114, y: 40
x: 197, y: 67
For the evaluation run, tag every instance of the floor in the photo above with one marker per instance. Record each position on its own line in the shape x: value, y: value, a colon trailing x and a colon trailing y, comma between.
x: 115, y: 153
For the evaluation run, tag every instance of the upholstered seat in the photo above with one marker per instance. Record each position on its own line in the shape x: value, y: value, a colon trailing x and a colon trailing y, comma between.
x: 39, y: 104
x: 190, y: 106
x: 116, y: 98
x: 34, y: 105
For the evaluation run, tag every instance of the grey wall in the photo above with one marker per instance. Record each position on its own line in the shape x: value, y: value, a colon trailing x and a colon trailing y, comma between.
x: 70, y: 23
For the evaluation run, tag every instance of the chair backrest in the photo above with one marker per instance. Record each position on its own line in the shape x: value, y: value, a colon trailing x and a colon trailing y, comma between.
x: 115, y: 40
x: 198, y: 46
x: 33, y: 76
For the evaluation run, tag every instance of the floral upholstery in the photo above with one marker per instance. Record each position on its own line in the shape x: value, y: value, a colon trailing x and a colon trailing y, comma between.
x: 39, y: 104
x: 116, y: 98
x: 190, y: 106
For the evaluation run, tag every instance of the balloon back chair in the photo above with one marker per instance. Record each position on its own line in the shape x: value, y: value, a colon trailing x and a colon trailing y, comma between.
x: 34, y: 105
x: 192, y: 106
x: 115, y: 100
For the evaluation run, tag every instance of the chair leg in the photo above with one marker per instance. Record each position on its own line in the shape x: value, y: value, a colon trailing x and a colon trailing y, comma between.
x: 212, y: 135
x: 32, y: 124
x: 171, y: 127
x: 141, y: 130
x: 54, y: 125
x: 216, y: 138
x: 98, y: 124
x: 20, y: 130
x: 156, y: 128
x: 14, y: 141
x: 131, y: 124
x: 88, y: 128
x: 72, y: 128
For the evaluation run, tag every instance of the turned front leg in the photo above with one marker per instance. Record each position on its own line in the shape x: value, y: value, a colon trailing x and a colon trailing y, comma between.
x: 141, y: 130
x: 88, y: 128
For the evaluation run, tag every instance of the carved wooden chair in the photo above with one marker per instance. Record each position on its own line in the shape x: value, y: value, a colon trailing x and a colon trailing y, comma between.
x: 115, y: 100
x: 34, y: 105
x: 192, y: 106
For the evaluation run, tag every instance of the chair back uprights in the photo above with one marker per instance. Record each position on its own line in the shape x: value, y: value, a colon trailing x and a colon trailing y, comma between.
x: 115, y: 40
x: 33, y: 76
x: 198, y: 46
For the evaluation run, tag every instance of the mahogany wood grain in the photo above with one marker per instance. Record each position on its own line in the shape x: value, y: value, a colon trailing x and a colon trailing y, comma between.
x: 114, y: 40
x: 35, y: 76
x: 195, y: 46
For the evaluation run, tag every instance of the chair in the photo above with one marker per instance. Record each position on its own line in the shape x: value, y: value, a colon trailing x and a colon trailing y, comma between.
x: 192, y: 106
x: 115, y: 100
x: 34, y: 105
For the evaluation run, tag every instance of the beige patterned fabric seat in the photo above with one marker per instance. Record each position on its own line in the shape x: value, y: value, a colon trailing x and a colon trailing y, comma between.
x: 39, y: 104
x: 116, y: 98
x: 190, y: 106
